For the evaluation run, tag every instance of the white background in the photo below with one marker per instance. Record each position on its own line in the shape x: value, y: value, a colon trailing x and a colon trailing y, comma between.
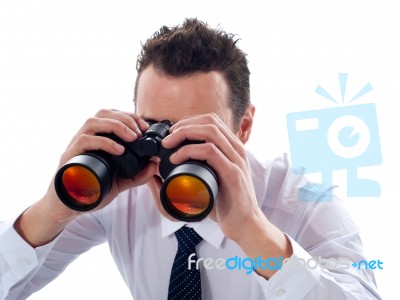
x: 61, y: 61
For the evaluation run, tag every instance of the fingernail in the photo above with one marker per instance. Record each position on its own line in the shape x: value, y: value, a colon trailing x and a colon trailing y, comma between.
x: 131, y: 133
x: 166, y: 139
x: 119, y: 147
x: 143, y: 123
x: 138, y: 131
x: 172, y: 157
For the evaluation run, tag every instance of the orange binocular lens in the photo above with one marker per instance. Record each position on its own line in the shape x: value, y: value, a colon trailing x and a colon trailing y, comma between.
x: 188, y: 195
x: 81, y: 185
x: 189, y: 190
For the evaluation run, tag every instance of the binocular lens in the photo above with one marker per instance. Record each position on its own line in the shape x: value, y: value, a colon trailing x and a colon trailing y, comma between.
x: 189, y: 191
x: 81, y: 185
x: 188, y: 195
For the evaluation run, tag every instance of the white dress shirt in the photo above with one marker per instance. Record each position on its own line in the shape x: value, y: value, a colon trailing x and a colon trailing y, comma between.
x: 143, y: 246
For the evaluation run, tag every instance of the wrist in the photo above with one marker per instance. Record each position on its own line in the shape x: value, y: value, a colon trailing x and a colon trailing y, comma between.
x: 260, y: 238
x: 251, y: 231
x: 250, y: 227
x: 43, y: 221
x: 53, y: 209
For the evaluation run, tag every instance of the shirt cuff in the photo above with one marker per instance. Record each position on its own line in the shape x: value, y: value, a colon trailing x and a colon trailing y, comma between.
x: 296, y: 277
x: 20, y: 258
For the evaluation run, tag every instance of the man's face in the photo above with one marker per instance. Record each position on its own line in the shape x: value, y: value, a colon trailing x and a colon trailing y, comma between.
x: 160, y: 97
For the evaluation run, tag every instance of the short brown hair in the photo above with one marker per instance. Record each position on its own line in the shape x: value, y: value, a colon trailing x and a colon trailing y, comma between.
x: 194, y: 47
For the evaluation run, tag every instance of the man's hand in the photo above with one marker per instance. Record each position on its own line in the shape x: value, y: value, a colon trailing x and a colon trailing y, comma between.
x: 236, y: 209
x: 46, y: 218
x: 225, y: 153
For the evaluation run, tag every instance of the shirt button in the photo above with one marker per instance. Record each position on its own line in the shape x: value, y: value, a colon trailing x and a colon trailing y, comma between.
x: 280, y: 292
x: 23, y: 261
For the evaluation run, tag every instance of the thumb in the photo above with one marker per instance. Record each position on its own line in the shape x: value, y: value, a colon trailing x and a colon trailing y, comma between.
x: 144, y: 175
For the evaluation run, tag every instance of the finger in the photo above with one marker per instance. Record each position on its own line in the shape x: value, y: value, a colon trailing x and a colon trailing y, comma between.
x: 86, y: 142
x: 112, y: 121
x: 207, y: 119
x: 143, y: 125
x: 145, y: 174
x: 96, y: 125
x: 134, y: 122
x: 208, y: 133
x: 211, y: 118
x: 212, y: 155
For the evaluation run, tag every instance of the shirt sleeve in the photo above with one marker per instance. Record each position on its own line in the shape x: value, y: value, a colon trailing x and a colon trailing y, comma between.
x: 303, y: 276
x: 326, y: 245
x: 24, y: 270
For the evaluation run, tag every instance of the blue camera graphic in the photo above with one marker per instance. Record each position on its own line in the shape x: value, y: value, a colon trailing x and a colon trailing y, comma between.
x: 344, y: 137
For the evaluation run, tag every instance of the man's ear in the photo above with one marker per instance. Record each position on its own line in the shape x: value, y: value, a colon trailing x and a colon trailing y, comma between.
x: 246, y: 124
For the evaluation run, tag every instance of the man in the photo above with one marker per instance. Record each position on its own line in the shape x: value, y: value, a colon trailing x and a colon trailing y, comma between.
x: 197, y: 78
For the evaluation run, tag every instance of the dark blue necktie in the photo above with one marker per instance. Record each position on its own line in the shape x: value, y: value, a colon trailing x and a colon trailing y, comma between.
x: 184, y: 282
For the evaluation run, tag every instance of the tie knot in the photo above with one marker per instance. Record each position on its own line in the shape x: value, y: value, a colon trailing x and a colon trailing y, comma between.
x: 187, y: 238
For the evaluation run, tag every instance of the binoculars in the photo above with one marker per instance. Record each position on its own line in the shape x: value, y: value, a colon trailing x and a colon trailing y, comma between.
x: 187, y: 193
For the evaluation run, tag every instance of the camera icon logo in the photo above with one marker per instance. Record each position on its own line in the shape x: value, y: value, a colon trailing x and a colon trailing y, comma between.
x: 343, y: 137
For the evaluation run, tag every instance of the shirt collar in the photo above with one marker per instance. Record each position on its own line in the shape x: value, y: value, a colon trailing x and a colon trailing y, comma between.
x: 206, y: 228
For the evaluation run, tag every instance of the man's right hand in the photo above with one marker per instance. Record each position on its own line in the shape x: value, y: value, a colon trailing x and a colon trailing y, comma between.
x: 46, y: 218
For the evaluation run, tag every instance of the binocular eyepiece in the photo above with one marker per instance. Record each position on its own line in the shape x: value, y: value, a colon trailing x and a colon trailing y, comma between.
x: 188, y: 190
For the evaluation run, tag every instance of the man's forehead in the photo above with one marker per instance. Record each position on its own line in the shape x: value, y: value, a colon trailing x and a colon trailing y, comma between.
x: 161, y: 97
